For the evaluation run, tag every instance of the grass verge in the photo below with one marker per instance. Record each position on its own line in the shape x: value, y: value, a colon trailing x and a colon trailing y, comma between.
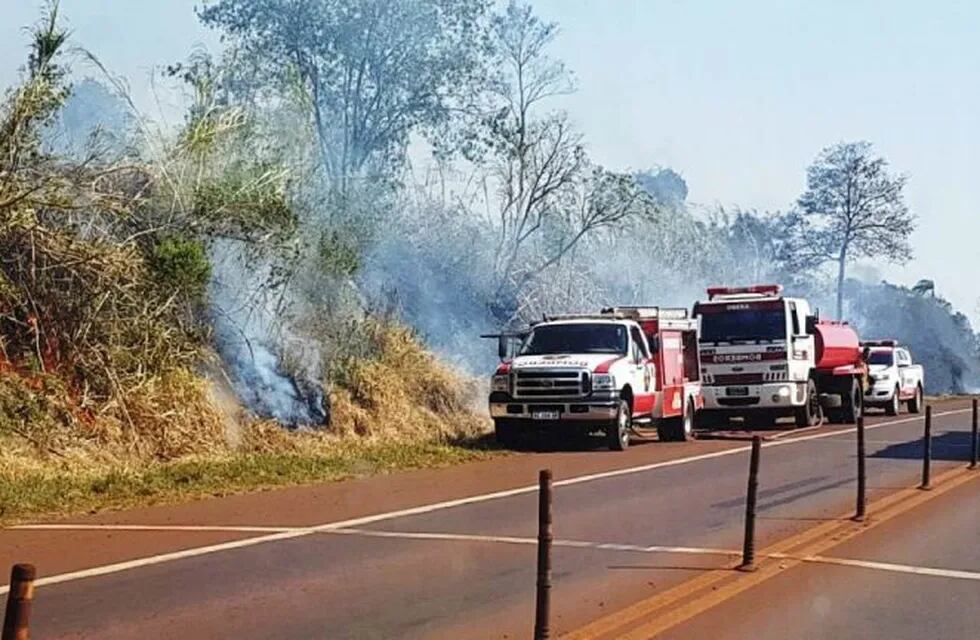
x: 43, y: 495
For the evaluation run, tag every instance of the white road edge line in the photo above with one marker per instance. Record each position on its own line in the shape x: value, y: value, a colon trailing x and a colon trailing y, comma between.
x: 575, y: 544
x: 192, y: 528
x: 437, y: 506
x: 895, y: 568
x: 609, y: 546
x: 374, y: 533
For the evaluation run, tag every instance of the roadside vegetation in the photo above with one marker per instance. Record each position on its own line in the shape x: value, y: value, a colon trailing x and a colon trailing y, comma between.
x: 276, y: 291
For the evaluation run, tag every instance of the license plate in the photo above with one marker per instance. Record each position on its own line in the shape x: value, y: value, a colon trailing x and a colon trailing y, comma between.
x: 737, y: 391
x: 544, y: 415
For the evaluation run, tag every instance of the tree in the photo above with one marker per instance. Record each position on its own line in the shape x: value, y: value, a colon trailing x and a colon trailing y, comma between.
x: 666, y: 186
x: 544, y: 195
x: 852, y: 208
x: 372, y: 71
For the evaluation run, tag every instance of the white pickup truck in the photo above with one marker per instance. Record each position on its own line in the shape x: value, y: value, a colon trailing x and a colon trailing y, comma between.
x: 893, y: 379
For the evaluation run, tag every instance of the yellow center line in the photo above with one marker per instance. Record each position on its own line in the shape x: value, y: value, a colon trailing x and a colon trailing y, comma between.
x: 653, y: 616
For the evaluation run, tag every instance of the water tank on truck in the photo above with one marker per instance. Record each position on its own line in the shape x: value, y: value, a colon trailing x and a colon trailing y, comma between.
x: 840, y: 372
x: 837, y: 345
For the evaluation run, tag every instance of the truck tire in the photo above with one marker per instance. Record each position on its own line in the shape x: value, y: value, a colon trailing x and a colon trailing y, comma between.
x: 915, y: 404
x: 507, y: 433
x: 618, y: 433
x: 851, y: 404
x: 678, y: 429
x: 894, y: 405
x: 810, y: 413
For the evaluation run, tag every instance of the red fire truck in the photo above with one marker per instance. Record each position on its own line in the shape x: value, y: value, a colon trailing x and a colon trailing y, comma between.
x: 766, y: 356
x: 613, y: 372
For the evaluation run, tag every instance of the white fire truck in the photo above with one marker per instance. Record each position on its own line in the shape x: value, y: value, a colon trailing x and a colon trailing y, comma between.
x: 613, y: 372
x: 894, y: 379
x: 767, y: 356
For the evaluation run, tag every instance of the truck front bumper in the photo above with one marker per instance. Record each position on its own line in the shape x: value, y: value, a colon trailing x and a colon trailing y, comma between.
x: 880, y: 393
x: 592, y: 409
x: 771, y: 395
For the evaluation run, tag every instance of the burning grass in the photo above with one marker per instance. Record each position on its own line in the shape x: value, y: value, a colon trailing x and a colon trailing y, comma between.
x: 174, y: 439
x: 104, y: 328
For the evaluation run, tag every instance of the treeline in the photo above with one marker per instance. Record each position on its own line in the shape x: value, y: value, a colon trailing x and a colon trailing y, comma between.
x: 346, y: 165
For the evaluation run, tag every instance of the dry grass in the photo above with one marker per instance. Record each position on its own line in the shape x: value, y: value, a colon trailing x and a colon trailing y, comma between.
x: 179, y: 436
x: 403, y: 392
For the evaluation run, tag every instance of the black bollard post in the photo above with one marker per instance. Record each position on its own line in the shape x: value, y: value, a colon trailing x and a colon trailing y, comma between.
x: 17, y: 618
x: 748, y: 545
x: 927, y: 451
x: 542, y: 611
x: 975, y: 440
x: 861, y: 479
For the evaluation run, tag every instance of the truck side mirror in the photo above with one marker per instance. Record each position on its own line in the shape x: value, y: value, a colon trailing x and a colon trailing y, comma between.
x: 654, y: 343
x: 503, y: 347
x: 811, y: 324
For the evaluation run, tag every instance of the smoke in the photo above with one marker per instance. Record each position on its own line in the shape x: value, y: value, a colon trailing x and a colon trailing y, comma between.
x: 433, y: 269
x: 435, y: 264
x: 250, y: 327
x: 939, y: 338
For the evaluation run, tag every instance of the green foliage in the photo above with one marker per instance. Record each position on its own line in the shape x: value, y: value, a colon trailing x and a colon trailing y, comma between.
x: 852, y: 208
x: 245, y: 201
x: 374, y: 71
x: 34, y: 494
x: 181, y: 264
x: 337, y: 255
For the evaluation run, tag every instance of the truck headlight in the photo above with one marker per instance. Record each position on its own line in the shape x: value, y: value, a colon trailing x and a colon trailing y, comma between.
x: 603, y: 382
x: 500, y: 383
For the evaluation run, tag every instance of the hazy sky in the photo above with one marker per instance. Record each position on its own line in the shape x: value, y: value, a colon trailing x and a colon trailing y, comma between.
x: 737, y: 96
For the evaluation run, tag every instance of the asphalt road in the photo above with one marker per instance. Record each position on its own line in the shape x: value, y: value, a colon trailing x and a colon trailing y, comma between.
x: 820, y: 601
x: 449, y: 553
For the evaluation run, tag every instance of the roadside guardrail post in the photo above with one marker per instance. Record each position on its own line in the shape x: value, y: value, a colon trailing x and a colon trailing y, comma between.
x: 861, y: 478
x: 927, y: 450
x: 17, y: 618
x: 542, y: 609
x: 748, y: 545
x: 975, y: 439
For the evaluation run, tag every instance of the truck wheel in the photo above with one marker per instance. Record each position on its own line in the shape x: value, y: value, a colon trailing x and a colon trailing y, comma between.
x: 618, y: 433
x: 809, y: 414
x: 915, y: 404
x: 506, y: 433
x: 677, y: 429
x: 851, y: 404
x: 895, y: 405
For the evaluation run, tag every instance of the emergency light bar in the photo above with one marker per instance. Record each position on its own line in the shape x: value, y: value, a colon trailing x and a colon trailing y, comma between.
x: 879, y: 343
x: 637, y: 313
x: 756, y: 289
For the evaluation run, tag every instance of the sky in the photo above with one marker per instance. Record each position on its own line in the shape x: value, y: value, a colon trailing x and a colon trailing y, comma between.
x: 738, y: 97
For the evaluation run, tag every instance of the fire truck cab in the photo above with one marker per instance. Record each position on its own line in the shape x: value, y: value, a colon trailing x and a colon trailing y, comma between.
x: 612, y: 372
x: 766, y: 356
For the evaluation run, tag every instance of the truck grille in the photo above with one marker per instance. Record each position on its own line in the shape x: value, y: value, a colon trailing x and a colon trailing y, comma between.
x: 551, y: 383
x: 738, y: 378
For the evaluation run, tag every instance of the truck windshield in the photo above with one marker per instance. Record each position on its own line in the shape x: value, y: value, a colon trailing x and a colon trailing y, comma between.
x: 752, y: 323
x: 575, y: 338
x: 878, y: 356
